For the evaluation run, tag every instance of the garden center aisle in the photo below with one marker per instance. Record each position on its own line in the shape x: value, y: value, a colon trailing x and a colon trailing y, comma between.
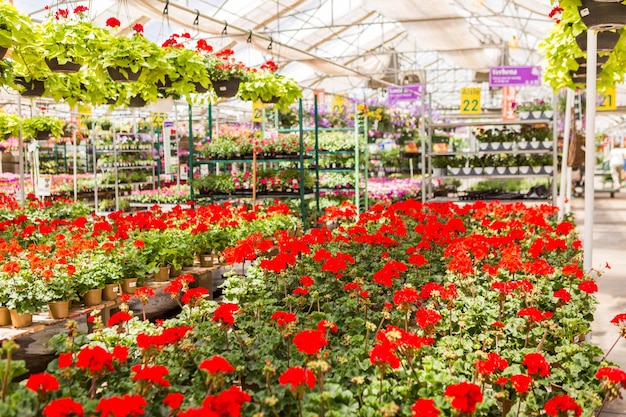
x: 609, y: 246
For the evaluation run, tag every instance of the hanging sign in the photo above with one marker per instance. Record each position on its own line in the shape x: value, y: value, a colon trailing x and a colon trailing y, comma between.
x: 257, y: 111
x: 157, y: 118
x: 509, y: 95
x: 409, y: 92
x: 522, y: 75
x: 339, y: 104
x: 606, y: 101
x: 470, y: 100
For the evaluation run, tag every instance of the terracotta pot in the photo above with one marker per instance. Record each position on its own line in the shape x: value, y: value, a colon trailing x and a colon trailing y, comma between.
x: 110, y: 292
x: 117, y: 75
x: 93, y: 297
x: 226, y: 88
x: 129, y: 285
x: 67, y: 68
x: 163, y: 274
x: 206, y: 260
x: 59, y: 309
x: 5, y: 316
x: 21, y: 319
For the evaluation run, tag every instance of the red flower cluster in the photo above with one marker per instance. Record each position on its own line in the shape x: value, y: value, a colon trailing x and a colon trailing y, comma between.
x: 465, y: 396
x: 493, y: 363
x: 43, y: 382
x: 310, y: 341
x: 615, y: 375
x: 224, y: 313
x: 94, y: 359
x: 63, y: 407
x: 535, y: 363
x: 297, y: 376
x: 425, y: 407
x: 126, y: 406
x: 154, y: 374
x: 534, y: 314
x: 392, y: 269
x: 561, y: 405
x: 169, y: 336
x: 192, y: 295
x: 216, y: 364
x: 426, y: 317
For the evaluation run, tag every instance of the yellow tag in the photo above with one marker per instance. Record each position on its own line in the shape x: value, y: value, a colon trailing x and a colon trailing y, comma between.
x: 339, y: 105
x: 470, y: 100
x: 606, y: 100
x: 157, y: 118
x: 257, y: 110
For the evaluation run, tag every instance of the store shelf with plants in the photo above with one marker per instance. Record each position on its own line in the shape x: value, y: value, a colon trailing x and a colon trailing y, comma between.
x: 123, y: 162
x: 496, y: 150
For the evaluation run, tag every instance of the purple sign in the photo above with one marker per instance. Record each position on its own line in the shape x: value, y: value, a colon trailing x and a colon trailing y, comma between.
x: 409, y: 92
x: 512, y: 76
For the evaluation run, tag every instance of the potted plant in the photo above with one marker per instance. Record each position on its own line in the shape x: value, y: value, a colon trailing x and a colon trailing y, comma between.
x: 187, y: 68
x: 132, y: 58
x: 9, y: 125
x: 16, y: 28
x: 267, y: 86
x: 42, y: 127
x: 24, y: 290
x: 92, y: 271
x: 59, y: 289
x: 69, y: 41
x: 225, y: 72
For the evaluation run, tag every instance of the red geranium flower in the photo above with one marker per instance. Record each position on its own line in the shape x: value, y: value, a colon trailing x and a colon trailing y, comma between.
x: 310, y: 341
x: 43, y: 382
x: 426, y: 317
x: 119, y: 317
x: 560, y: 405
x: 95, y: 359
x: 535, y: 363
x: 224, y: 313
x: 216, y: 364
x: 65, y: 360
x: 126, y: 406
x: 113, y: 22
x: 297, y: 376
x: 154, y: 374
x: 283, y: 317
x: 227, y: 403
x: 521, y: 382
x: 588, y: 286
x: 619, y: 320
x: 306, y: 281
x: 425, y: 407
x: 534, y: 314
x: 138, y: 27
x: 491, y: 364
x: 173, y: 400
x: 63, y: 407
x: 120, y: 353
x: 194, y: 294
x: 465, y: 396
x: 612, y: 374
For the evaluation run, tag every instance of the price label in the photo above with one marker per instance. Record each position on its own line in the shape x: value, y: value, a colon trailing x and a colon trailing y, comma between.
x: 339, y: 104
x: 470, y: 100
x: 257, y: 111
x: 606, y: 101
x: 157, y: 118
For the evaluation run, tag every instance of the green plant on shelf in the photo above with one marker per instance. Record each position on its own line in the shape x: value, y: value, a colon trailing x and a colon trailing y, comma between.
x: 214, y: 184
x: 330, y: 141
x: 532, y: 133
x: 336, y: 180
x: 32, y: 125
x: 495, y: 135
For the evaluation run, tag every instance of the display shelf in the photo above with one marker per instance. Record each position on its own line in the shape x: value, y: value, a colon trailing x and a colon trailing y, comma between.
x: 488, y: 123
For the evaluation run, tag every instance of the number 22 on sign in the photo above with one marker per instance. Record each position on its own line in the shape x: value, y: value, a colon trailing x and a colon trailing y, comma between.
x: 470, y: 100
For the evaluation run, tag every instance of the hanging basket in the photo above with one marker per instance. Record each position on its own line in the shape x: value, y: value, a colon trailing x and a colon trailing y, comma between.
x: 3, y: 52
x: 600, y: 60
x: 67, y: 68
x: 166, y: 83
x: 606, y: 41
x: 118, y: 75
x: 272, y: 100
x: 200, y: 89
x: 601, y: 16
x: 137, y: 101
x: 226, y: 88
x: 33, y: 88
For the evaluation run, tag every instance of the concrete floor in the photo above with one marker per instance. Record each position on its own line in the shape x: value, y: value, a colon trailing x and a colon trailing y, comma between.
x: 609, y: 246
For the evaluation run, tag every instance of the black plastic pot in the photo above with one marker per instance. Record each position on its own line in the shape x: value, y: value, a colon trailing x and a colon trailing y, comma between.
x: 117, y: 75
x: 600, y: 60
x: 3, y: 52
x: 137, y: 101
x: 606, y: 41
x: 600, y: 16
x: 67, y: 68
x: 33, y: 88
x: 226, y: 88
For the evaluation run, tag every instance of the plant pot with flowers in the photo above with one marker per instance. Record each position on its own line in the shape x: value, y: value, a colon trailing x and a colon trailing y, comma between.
x: 92, y: 272
x: 187, y: 71
x: 132, y: 58
x: 225, y: 73
x: 24, y: 291
x: 70, y: 40
x: 16, y: 29
x: 59, y: 289
x: 268, y: 87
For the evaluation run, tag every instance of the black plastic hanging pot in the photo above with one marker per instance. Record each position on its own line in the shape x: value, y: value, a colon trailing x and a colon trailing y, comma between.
x: 606, y: 41
x: 600, y: 15
x: 600, y: 60
x: 33, y: 88
x: 67, y: 68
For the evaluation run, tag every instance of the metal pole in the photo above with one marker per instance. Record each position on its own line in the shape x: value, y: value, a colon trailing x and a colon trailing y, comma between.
x: 117, y: 186
x: 20, y: 153
x: 563, y: 195
x: 301, y: 134
x: 425, y: 188
x: 190, y: 158
x: 75, y: 164
x: 590, y: 157
x: 95, y: 167
x: 365, y: 165
x: 178, y: 144
x: 357, y: 193
x: 317, y: 155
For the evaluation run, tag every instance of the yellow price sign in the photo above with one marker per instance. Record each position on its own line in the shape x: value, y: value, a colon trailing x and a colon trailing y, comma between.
x: 157, y: 118
x: 339, y: 105
x: 606, y: 100
x: 257, y: 111
x: 470, y: 100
